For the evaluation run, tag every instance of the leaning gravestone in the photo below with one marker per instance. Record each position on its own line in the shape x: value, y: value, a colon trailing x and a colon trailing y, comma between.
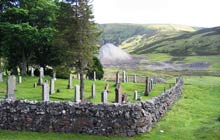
x: 124, y: 77
x: 1, y: 77
x: 10, y: 87
x: 52, y: 91
x: 118, y: 94
x: 77, y: 94
x: 70, y: 82
x: 104, y: 97
x: 32, y: 72
x: 135, y: 95
x: 45, y: 92
x: 93, y: 90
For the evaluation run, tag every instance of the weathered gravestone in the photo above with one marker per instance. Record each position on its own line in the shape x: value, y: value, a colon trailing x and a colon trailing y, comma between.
x: 147, y: 89
x: 104, y: 97
x: 124, y: 77
x: 135, y: 79
x: 94, y: 76
x: 32, y: 72
x: 124, y: 98
x: 1, y: 77
x: 19, y: 79
x: 93, y: 90
x: 70, y: 82
x: 135, y: 95
x: 77, y: 94
x: 54, y: 76
x: 52, y: 86
x: 41, y: 72
x: 45, y: 92
x: 11, y: 87
x: 118, y: 94
x: 117, y: 81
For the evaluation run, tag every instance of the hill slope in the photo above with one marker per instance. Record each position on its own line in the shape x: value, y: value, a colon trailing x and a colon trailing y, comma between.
x: 117, y: 33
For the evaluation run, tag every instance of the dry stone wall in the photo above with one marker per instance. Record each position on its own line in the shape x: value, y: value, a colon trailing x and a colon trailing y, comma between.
x: 98, y: 119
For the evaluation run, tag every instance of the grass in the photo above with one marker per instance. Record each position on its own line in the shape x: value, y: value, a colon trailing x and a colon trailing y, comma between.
x: 195, y: 116
x: 27, y: 91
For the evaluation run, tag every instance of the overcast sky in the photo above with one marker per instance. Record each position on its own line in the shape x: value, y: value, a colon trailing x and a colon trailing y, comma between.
x: 202, y: 13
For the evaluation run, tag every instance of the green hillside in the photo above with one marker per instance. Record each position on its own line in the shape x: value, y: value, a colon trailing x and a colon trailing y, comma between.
x: 201, y: 42
x: 117, y: 33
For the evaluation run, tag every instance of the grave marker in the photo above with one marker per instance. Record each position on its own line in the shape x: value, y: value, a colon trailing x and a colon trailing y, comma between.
x: 77, y: 94
x: 117, y: 81
x: 124, y: 77
x: 70, y: 82
x: 147, y: 91
x: 10, y: 87
x: 93, y: 90
x: 135, y: 95
x: 135, y: 79
x: 1, y: 77
x: 41, y: 72
x: 32, y: 72
x: 94, y: 76
x: 45, y: 92
x: 118, y: 94
x: 54, y: 76
x: 104, y: 97
x: 52, y: 91
x: 19, y: 79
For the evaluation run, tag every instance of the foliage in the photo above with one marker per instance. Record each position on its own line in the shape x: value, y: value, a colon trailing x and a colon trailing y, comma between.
x: 96, y: 67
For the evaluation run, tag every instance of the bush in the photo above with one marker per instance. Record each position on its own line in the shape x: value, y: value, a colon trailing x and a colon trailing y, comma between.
x: 62, y: 72
x: 97, y: 67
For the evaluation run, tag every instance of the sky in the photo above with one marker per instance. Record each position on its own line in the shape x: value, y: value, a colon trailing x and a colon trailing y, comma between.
x: 200, y: 13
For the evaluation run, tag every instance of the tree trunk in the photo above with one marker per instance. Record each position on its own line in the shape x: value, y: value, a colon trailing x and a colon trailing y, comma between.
x: 81, y: 84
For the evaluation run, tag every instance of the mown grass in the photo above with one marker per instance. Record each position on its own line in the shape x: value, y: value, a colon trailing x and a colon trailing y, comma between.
x: 195, y: 116
x: 27, y: 91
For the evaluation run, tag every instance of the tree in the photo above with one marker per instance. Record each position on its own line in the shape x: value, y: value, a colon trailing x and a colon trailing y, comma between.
x: 95, y: 67
x: 26, y: 29
x: 78, y: 35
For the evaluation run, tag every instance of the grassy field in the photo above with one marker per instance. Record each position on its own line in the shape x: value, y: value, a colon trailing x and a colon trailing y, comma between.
x: 195, y: 116
x: 27, y: 91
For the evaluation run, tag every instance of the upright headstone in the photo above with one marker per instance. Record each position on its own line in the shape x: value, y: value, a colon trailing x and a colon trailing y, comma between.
x: 107, y: 87
x: 19, y: 79
x: 104, y: 97
x: 54, y: 76
x: 152, y: 82
x: 10, y: 87
x: 135, y: 79
x: 124, y: 77
x: 52, y: 86
x: 94, y: 76
x: 40, y: 81
x: 127, y: 78
x: 93, y: 90
x: 77, y: 94
x: 41, y: 72
x: 118, y: 94
x: 70, y: 82
x: 45, y: 92
x: 147, y: 87
x: 78, y: 76
x: 1, y: 77
x: 14, y: 77
x: 32, y: 72
x: 135, y: 95
x: 117, y: 81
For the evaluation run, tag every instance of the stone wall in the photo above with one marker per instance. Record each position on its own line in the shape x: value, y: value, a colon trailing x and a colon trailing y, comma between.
x: 98, y: 119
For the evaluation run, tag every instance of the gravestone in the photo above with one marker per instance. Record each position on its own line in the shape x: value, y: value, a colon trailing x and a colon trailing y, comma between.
x: 14, y: 77
x: 104, y: 97
x: 127, y: 78
x: 77, y: 94
x: 54, y: 76
x: 94, y: 76
x: 135, y: 79
x: 93, y: 90
x: 70, y: 82
x: 1, y: 77
x: 118, y: 94
x: 52, y: 86
x: 41, y: 72
x: 135, y: 95
x: 78, y: 76
x: 45, y: 92
x: 40, y: 81
x: 124, y: 77
x: 124, y: 98
x: 117, y: 81
x: 10, y: 87
x: 35, y: 85
x: 147, y: 91
x: 32, y: 72
x: 19, y: 79
x: 107, y: 87
x: 152, y: 82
